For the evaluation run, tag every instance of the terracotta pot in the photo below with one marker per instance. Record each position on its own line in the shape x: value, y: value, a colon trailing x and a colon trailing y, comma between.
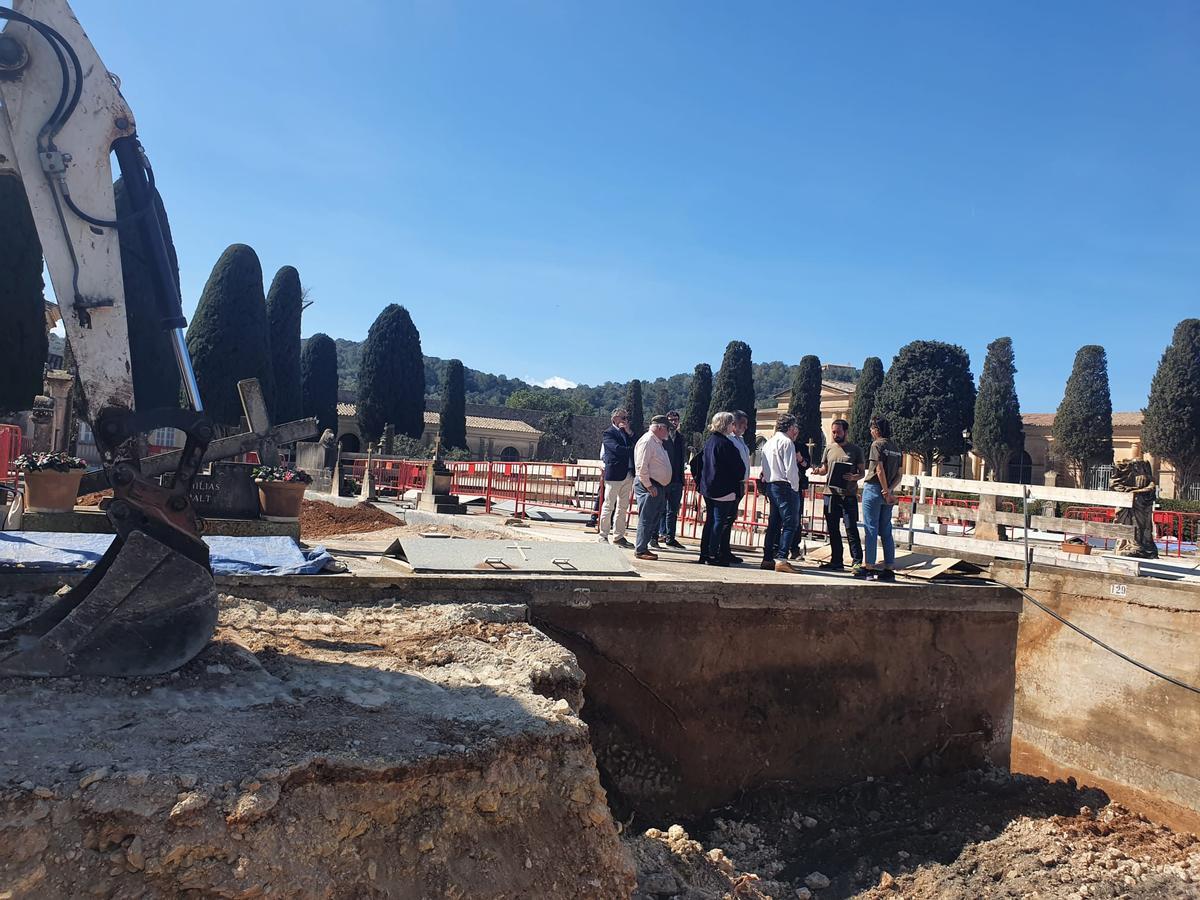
x: 280, y: 500
x: 51, y: 491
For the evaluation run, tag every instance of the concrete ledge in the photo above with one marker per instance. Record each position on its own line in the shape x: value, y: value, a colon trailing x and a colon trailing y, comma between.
x: 88, y: 520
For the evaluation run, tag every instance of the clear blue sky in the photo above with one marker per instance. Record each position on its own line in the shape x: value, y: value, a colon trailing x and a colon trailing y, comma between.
x: 616, y: 190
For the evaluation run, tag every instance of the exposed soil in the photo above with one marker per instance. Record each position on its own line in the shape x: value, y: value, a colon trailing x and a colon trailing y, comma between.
x: 94, y: 498
x: 320, y: 519
x: 932, y: 837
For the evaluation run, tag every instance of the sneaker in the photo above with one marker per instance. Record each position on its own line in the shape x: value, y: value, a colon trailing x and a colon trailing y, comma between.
x: 602, y: 540
x: 646, y: 555
x: 733, y: 560
x: 674, y: 543
x: 831, y: 567
x: 883, y: 575
x: 662, y: 538
x: 621, y: 542
x: 782, y: 565
x: 861, y: 572
x: 654, y: 544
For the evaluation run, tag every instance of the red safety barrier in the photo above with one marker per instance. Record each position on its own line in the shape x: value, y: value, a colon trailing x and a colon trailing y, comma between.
x: 10, y: 449
x: 391, y: 476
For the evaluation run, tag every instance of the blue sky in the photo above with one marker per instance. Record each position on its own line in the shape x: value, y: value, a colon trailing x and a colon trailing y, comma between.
x: 608, y: 191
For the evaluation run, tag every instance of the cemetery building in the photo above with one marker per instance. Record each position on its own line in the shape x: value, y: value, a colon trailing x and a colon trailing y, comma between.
x: 509, y: 440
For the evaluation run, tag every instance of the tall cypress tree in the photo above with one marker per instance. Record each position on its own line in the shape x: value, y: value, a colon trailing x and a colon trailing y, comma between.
x: 1082, y: 429
x: 695, y: 416
x: 155, y: 371
x: 319, y: 381
x: 633, y: 406
x: 662, y: 401
x: 23, y: 342
x: 454, y: 407
x: 928, y: 397
x: 391, y: 377
x: 869, y: 381
x: 997, y: 432
x: 1171, y: 429
x: 284, y: 305
x: 806, y: 406
x: 734, y: 388
x: 228, y: 338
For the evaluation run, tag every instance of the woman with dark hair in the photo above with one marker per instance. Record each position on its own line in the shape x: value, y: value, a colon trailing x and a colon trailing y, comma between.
x: 884, y: 465
x: 722, y: 475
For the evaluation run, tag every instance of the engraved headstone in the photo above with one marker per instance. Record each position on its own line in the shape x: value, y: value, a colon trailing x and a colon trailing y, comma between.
x: 228, y: 492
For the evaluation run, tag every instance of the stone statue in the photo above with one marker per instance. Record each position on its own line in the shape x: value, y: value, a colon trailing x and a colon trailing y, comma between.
x: 328, y: 448
x: 1134, y: 476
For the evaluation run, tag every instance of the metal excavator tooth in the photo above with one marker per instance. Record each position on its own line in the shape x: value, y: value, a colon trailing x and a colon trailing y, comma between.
x: 145, y: 609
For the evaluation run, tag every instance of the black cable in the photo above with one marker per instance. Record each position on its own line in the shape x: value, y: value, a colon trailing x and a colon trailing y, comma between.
x: 52, y: 38
x: 1096, y: 640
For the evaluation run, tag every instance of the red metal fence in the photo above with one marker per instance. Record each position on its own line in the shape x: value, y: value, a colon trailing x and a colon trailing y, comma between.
x: 1170, y: 527
x: 10, y: 449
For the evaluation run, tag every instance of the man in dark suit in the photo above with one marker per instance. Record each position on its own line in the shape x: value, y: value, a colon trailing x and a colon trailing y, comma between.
x: 618, y: 478
x: 677, y: 450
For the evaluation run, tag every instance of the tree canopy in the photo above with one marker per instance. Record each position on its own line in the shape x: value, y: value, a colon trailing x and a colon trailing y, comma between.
x: 319, y: 381
x: 997, y: 432
x: 1171, y: 429
x: 734, y: 388
x: 869, y: 380
x: 155, y: 371
x: 284, y: 306
x: 1082, y: 429
x: 806, y: 406
x: 391, y: 379
x: 454, y: 408
x: 548, y: 399
x: 633, y: 406
x: 928, y: 397
x: 228, y: 338
x: 23, y: 342
x: 695, y: 414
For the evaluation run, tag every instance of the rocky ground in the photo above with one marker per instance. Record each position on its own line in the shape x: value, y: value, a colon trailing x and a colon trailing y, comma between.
x: 971, y: 835
x: 313, y: 751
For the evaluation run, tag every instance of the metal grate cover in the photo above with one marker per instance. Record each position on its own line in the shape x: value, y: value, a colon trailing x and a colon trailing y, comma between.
x: 511, y: 557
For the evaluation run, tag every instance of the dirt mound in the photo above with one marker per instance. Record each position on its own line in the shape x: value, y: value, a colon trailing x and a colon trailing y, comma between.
x: 319, y: 519
x: 94, y: 498
x: 976, y: 834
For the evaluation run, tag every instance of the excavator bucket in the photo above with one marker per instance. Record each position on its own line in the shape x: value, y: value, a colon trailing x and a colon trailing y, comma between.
x: 145, y: 609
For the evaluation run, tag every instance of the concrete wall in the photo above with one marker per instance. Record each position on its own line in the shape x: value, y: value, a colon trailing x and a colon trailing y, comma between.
x: 695, y: 697
x: 1083, y: 712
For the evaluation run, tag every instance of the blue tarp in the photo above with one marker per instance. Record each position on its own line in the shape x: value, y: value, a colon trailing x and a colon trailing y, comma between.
x: 51, y: 551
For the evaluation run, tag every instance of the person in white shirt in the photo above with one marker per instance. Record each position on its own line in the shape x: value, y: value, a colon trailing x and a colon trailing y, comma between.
x: 781, y: 481
x: 653, y: 467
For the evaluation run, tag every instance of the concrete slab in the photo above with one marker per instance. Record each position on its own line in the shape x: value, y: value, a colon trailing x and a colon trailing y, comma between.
x: 437, y: 555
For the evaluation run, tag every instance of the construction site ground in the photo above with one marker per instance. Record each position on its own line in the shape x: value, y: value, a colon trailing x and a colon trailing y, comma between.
x: 344, y: 750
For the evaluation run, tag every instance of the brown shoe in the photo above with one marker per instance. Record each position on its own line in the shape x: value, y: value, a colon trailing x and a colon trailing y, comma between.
x: 646, y: 555
x: 782, y: 565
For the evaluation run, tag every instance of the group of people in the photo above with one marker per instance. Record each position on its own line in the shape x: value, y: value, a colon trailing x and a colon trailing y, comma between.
x: 650, y: 472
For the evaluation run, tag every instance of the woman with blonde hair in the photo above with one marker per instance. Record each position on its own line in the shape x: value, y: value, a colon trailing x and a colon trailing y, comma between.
x: 722, y: 474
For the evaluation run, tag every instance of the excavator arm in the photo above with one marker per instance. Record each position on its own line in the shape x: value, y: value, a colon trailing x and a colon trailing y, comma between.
x: 150, y: 603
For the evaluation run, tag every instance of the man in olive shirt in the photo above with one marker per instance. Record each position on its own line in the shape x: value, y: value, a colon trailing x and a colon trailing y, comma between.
x: 841, y: 500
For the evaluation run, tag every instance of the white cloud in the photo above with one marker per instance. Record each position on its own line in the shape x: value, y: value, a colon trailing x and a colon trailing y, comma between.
x: 557, y: 381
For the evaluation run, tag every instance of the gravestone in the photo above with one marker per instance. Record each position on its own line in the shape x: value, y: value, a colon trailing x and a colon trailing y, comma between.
x: 228, y: 492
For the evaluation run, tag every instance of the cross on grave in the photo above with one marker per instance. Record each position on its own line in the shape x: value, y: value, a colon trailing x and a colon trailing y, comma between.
x: 263, y: 438
x: 520, y: 550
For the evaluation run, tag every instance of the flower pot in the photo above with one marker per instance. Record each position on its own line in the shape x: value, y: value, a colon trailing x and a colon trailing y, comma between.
x: 280, y: 500
x: 51, y: 491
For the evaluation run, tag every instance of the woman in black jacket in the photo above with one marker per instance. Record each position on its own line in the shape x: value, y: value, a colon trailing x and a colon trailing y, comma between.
x: 720, y: 485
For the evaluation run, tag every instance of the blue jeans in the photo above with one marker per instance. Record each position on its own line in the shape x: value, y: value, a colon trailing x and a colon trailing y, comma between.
x: 650, y: 510
x: 718, y: 529
x: 785, y: 515
x: 877, y: 522
x: 670, y: 514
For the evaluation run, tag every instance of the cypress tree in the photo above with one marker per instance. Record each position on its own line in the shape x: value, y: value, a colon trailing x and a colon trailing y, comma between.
x: 228, y: 338
x: 695, y: 420
x: 23, y: 341
x: 319, y: 381
x: 284, y: 305
x: 391, y: 376
x: 928, y: 397
x: 633, y: 406
x: 155, y: 372
x: 1082, y: 429
x: 734, y: 388
x: 869, y: 381
x: 997, y: 433
x: 1171, y: 429
x: 662, y: 401
x: 806, y: 406
x: 454, y: 407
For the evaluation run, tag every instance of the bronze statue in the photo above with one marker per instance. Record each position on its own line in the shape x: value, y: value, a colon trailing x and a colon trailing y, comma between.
x: 1134, y: 476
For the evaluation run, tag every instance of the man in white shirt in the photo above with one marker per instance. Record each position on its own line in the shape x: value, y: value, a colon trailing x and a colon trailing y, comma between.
x: 653, y: 467
x: 781, y: 481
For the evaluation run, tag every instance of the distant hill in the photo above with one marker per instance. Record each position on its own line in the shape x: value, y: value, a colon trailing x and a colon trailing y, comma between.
x: 770, y: 378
